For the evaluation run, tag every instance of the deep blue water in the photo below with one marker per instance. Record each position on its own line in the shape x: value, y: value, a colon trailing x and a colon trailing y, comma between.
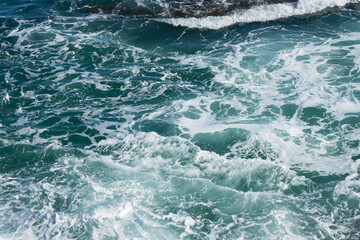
x: 133, y: 123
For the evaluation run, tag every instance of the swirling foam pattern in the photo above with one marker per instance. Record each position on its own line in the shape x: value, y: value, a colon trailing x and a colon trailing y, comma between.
x: 120, y: 127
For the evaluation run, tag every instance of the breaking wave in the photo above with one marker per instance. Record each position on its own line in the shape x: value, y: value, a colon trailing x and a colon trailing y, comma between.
x: 259, y: 13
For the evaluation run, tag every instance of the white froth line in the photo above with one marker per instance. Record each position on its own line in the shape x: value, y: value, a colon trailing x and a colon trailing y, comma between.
x: 258, y: 14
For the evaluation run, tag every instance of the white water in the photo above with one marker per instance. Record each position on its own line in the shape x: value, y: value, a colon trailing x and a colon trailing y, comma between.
x: 261, y: 13
x: 147, y: 186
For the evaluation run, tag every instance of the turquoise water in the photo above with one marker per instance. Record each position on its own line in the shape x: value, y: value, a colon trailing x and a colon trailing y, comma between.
x: 138, y: 127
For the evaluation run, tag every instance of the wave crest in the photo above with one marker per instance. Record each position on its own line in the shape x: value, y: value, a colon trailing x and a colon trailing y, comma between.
x: 259, y: 13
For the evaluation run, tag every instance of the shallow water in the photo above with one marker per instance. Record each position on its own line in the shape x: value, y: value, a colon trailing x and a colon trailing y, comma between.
x: 137, y: 127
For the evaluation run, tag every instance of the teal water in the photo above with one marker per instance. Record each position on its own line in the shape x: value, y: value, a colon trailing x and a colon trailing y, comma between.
x: 118, y: 127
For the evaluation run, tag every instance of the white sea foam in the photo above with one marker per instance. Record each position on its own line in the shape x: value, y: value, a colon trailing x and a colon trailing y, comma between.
x: 259, y: 14
x: 146, y: 186
x: 310, y: 85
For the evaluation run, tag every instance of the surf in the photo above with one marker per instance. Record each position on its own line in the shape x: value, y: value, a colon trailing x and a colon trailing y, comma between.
x: 180, y: 9
x: 259, y: 13
x: 215, y: 15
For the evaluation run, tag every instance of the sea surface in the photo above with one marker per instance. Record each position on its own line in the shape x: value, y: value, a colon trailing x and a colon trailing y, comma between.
x: 159, y: 119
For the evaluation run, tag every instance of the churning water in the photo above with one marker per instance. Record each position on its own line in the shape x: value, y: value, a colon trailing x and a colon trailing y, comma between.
x: 158, y: 119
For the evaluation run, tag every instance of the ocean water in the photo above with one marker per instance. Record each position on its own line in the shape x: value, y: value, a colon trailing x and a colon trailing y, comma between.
x: 158, y: 119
